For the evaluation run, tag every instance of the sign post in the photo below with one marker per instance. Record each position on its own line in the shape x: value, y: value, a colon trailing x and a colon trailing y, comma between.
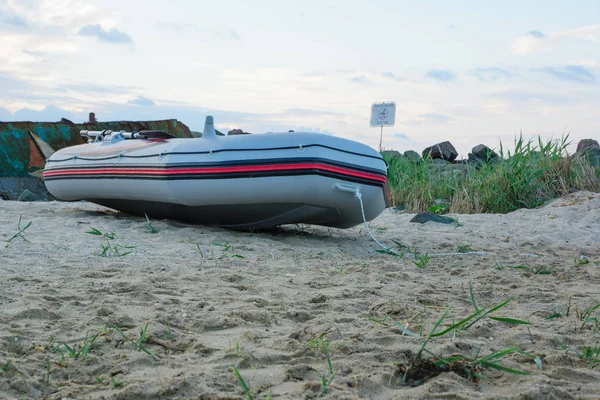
x: 383, y: 114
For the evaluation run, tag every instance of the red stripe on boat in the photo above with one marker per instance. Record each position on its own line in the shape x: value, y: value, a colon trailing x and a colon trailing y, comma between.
x: 214, y: 170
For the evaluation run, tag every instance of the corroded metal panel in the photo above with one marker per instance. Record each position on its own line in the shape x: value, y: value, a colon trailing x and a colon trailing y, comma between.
x: 21, y: 153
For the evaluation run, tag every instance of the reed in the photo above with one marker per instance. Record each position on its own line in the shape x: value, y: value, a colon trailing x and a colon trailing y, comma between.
x: 528, y: 177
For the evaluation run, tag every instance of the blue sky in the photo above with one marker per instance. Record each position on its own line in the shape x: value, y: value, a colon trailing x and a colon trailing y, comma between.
x: 466, y: 71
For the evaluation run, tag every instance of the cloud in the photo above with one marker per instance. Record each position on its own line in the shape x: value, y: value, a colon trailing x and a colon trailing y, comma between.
x: 402, y: 136
x: 427, y: 119
x: 434, y: 118
x: 314, y: 130
x: 391, y: 75
x: 14, y: 21
x: 440, y: 75
x: 523, y: 96
x: 96, y: 88
x: 201, y: 31
x: 5, y: 115
x: 536, y: 41
x: 142, y: 101
x: 47, y: 114
x: 112, y: 36
x: 491, y: 74
x: 536, y: 34
x: 305, y: 112
x: 585, y: 62
x: 360, y: 79
x: 234, y: 35
x: 451, y: 26
x: 569, y: 73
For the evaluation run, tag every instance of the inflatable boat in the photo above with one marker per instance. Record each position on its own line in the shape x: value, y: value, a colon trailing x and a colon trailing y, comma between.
x: 240, y: 182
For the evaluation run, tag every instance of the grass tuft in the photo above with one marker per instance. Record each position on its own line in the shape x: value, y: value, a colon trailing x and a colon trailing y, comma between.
x: 528, y: 177
x: 20, y: 233
x: 149, y: 227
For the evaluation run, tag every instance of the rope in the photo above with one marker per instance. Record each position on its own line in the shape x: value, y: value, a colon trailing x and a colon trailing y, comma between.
x: 358, y: 195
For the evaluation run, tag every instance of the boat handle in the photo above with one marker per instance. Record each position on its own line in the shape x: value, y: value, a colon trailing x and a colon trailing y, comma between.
x: 344, y: 188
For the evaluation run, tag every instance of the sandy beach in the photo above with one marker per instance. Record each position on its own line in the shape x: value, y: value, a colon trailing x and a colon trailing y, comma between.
x: 130, y: 314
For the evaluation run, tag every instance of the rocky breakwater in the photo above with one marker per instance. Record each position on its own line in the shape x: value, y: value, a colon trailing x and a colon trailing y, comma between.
x: 443, y: 156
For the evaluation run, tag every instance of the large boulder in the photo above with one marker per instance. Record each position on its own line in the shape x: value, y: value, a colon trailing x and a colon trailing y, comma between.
x: 591, y: 154
x: 444, y: 151
x: 585, y: 143
x: 484, y: 153
x: 413, y: 156
x: 390, y: 154
x: 475, y: 161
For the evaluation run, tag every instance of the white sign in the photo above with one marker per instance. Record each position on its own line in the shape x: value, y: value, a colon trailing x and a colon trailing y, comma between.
x: 383, y: 114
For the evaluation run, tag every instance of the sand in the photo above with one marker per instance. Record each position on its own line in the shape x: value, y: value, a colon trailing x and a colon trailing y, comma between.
x: 213, y: 299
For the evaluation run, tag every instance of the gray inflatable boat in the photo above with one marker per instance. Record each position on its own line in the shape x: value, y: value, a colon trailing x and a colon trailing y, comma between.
x: 239, y: 182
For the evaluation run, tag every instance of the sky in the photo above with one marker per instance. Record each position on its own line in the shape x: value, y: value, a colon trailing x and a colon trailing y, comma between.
x: 468, y: 72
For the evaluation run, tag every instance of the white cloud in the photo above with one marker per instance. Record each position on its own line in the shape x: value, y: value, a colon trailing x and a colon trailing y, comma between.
x: 53, y: 13
x: 535, y: 41
x: 585, y: 62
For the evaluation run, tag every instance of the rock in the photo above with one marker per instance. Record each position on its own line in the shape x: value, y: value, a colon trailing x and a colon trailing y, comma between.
x: 16, y: 187
x: 440, y: 162
x: 27, y: 195
x: 443, y: 150
x: 389, y: 155
x: 591, y: 154
x: 475, y: 161
x: 412, y: 156
x: 237, y: 132
x: 426, y: 217
x: 462, y: 168
x: 585, y: 143
x: 484, y: 153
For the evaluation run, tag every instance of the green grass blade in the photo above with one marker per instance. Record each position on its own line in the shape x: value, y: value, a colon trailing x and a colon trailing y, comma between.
x: 245, y: 387
x: 499, y: 306
x: 458, y: 324
x: 406, y: 330
x: 437, y: 324
x: 511, y: 321
x: 472, y: 296
x: 499, y: 367
x: 518, y: 266
x: 555, y: 315
x: 543, y: 272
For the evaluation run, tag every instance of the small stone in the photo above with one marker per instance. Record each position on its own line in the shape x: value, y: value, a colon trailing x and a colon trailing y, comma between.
x: 27, y: 195
x: 427, y: 217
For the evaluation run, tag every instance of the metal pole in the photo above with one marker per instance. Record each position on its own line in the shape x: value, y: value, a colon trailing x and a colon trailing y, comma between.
x: 380, y: 138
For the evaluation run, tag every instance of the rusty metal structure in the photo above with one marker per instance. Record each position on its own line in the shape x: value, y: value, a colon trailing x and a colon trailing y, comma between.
x: 24, y: 147
x: 21, y: 142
